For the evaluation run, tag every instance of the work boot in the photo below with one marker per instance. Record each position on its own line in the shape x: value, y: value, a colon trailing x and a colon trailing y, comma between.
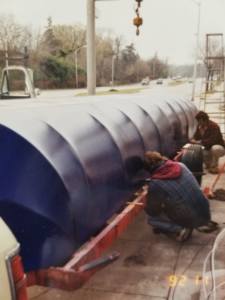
x: 214, y: 170
x: 209, y: 227
x: 184, y: 234
x: 206, y: 166
x: 157, y: 230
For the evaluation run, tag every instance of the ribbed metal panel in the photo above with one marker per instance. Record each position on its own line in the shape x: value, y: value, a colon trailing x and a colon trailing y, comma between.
x: 66, y: 169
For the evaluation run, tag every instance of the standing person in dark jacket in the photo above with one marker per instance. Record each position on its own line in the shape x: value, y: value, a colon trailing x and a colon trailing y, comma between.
x: 175, y: 203
x: 208, y: 134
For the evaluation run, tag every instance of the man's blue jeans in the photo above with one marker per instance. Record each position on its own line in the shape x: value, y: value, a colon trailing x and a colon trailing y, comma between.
x: 163, y: 223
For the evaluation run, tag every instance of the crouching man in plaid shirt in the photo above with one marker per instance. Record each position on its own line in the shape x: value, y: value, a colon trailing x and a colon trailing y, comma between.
x: 175, y: 202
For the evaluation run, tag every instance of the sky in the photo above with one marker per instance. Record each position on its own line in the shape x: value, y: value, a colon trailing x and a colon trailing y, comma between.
x: 169, y: 26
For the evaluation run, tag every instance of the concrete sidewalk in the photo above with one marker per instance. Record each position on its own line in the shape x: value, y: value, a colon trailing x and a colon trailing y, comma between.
x: 150, y: 266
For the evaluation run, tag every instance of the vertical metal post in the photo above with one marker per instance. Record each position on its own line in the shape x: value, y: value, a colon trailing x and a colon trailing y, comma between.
x: 6, y: 55
x: 196, y: 54
x: 207, y: 66
x: 113, y: 69
x: 154, y: 68
x: 223, y: 86
x: 76, y: 73
x: 91, y: 48
x: 76, y: 63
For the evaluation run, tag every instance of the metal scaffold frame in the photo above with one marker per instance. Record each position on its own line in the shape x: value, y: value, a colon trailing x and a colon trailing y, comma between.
x: 213, y: 100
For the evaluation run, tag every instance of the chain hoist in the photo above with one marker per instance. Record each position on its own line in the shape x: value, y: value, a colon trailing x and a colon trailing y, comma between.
x: 138, y: 21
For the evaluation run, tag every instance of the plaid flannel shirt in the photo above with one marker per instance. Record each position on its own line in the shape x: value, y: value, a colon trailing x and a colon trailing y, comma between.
x: 181, y: 199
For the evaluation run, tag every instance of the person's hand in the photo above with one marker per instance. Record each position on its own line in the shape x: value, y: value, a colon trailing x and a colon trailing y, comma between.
x: 193, y: 141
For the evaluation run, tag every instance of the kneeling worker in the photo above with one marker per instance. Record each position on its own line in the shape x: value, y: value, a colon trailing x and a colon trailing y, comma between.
x: 175, y: 203
x: 208, y: 134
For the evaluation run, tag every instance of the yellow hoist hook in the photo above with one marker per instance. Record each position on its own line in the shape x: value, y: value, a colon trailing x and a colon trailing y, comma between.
x: 139, y: 3
x: 138, y: 21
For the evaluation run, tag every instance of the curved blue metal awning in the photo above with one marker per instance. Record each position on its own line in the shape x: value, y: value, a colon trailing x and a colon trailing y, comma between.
x: 66, y: 169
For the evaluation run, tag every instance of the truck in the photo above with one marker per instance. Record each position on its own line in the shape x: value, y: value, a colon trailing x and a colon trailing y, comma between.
x: 12, y: 277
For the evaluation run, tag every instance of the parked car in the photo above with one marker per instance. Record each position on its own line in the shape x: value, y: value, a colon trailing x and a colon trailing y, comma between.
x: 159, y: 81
x: 13, y: 281
x: 145, y: 81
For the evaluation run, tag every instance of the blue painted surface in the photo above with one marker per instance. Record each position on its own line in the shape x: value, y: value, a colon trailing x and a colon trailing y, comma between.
x: 66, y: 169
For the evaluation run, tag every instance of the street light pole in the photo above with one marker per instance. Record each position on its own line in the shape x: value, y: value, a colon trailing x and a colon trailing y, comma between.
x: 113, y: 69
x: 76, y: 73
x: 91, y: 49
x: 76, y: 67
x: 197, y: 48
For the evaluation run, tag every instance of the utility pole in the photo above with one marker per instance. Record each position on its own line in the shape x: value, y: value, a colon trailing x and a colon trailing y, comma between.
x: 113, y: 69
x: 6, y: 55
x: 91, y: 48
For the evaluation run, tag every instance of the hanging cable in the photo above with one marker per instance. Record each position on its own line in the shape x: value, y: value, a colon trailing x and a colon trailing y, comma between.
x: 211, y: 256
x: 138, y: 21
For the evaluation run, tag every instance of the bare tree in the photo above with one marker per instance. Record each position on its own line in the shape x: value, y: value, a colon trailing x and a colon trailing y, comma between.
x: 13, y: 36
x: 104, y: 55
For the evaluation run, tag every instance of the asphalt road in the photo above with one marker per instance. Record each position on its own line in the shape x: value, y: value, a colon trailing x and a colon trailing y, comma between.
x: 63, y: 96
x: 184, y: 90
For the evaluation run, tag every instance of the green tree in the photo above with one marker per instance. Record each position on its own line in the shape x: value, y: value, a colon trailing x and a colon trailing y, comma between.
x: 56, y: 70
x: 129, y: 54
x: 50, y: 44
x: 128, y: 60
